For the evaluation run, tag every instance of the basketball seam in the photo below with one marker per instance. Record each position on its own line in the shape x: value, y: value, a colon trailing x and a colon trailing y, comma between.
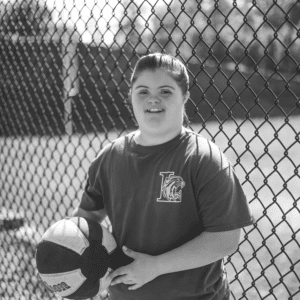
x: 59, y: 246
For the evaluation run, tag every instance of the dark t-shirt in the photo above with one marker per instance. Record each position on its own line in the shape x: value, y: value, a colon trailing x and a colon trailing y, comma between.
x: 158, y: 198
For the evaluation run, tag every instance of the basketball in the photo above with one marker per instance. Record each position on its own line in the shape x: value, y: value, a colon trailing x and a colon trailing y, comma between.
x: 75, y: 256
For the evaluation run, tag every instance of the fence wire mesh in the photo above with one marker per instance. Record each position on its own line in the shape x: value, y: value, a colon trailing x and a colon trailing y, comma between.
x: 64, y: 74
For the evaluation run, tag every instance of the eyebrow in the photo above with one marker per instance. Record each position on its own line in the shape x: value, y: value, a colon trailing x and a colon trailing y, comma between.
x: 162, y: 86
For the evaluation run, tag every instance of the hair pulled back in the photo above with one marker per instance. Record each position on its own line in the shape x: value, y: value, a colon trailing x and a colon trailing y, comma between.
x: 172, y: 65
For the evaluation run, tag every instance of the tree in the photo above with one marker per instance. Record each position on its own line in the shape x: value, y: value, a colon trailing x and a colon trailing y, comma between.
x: 25, y: 18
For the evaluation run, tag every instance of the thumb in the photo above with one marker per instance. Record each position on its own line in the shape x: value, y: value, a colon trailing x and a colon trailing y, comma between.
x: 129, y: 252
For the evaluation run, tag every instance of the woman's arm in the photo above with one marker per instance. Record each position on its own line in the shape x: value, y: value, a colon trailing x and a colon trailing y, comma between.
x: 207, y: 248
x: 96, y: 215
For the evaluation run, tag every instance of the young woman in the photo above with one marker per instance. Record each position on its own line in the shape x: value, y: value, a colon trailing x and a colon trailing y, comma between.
x: 173, y: 199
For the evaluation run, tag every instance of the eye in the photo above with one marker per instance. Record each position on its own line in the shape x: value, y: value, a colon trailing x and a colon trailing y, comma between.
x: 166, y: 92
x: 143, y: 92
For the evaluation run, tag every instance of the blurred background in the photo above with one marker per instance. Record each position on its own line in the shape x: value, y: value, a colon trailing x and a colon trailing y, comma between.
x: 64, y: 79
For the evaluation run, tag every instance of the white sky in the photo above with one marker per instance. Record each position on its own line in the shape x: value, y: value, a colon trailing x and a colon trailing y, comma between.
x: 84, y: 15
x: 78, y: 13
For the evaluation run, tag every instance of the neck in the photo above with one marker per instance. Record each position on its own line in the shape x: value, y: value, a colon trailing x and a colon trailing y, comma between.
x: 151, y: 139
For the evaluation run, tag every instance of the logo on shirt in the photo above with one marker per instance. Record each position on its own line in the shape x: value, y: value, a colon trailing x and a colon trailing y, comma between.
x: 171, y: 187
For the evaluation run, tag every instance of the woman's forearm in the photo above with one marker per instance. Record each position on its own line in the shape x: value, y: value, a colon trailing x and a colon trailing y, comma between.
x: 205, y: 249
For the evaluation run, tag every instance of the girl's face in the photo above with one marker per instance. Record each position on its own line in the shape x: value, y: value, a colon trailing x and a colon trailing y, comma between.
x: 158, y: 103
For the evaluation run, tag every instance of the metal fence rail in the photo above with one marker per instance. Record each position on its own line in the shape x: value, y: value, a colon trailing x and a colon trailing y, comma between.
x: 64, y: 74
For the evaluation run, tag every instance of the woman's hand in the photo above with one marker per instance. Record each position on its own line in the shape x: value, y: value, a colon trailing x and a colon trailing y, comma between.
x: 142, y: 270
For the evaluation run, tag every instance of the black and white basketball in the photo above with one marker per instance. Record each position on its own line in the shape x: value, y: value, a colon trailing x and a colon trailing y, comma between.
x: 75, y: 256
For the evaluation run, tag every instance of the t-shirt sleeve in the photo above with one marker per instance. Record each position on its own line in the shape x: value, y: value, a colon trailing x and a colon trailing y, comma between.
x: 222, y: 203
x: 92, y: 195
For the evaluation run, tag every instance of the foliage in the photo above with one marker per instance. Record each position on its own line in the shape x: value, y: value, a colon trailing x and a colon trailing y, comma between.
x: 246, y: 33
x: 25, y: 18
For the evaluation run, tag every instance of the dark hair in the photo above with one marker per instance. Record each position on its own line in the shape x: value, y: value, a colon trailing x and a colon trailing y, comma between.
x: 172, y: 65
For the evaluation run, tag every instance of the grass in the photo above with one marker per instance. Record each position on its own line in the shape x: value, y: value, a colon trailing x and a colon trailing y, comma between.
x: 43, y: 179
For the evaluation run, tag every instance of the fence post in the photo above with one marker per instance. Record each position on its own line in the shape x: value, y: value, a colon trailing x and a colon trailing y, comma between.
x: 70, y: 78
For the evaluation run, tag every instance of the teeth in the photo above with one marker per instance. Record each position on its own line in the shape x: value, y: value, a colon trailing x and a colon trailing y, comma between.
x: 154, y: 110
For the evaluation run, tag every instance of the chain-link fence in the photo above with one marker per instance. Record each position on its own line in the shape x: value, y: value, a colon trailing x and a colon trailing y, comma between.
x: 64, y: 74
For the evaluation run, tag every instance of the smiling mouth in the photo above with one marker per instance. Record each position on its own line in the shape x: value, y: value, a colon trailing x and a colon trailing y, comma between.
x: 154, y: 110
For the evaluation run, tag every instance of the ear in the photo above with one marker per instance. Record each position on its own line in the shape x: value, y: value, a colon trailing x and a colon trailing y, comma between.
x: 186, y: 97
x: 129, y: 94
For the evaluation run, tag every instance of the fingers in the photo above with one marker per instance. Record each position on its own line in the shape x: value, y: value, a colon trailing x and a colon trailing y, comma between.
x: 119, y: 276
x: 122, y: 279
x: 130, y: 252
x: 116, y: 273
x: 134, y: 286
x: 117, y: 280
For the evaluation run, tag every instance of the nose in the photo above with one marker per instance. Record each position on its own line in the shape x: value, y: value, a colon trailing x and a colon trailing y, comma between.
x: 153, y: 99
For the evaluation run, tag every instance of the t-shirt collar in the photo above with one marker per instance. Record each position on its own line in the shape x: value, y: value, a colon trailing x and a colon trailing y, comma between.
x: 135, y: 147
